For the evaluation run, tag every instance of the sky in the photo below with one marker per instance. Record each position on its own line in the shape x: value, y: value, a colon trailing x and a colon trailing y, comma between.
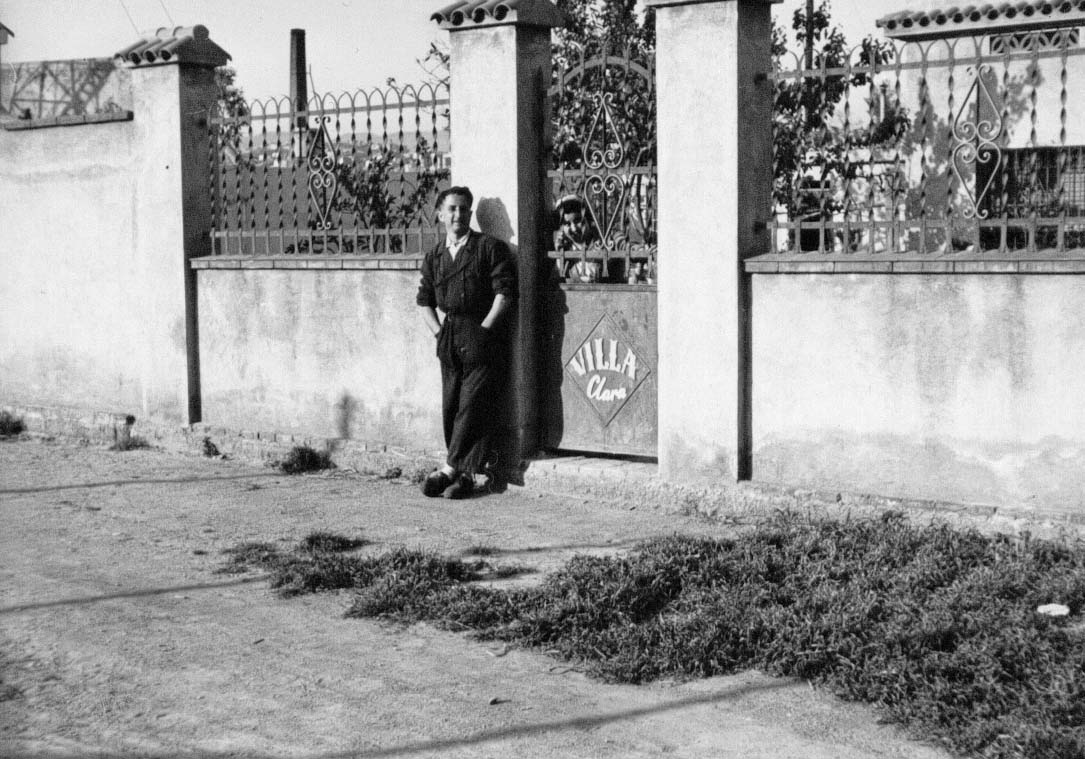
x: 350, y: 44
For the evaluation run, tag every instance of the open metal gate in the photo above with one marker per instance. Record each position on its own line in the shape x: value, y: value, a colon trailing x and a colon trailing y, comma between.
x: 601, y: 393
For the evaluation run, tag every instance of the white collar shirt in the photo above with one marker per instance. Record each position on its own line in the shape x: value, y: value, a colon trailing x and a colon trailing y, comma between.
x: 455, y: 246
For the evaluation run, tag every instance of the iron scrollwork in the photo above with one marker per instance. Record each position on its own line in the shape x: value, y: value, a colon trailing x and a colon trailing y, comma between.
x: 604, y: 185
x: 977, y: 141
x: 323, y: 183
x: 605, y: 120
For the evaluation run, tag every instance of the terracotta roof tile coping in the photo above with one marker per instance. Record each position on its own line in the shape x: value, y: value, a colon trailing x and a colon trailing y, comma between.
x: 665, y: 3
x: 983, y: 18
x: 178, y: 44
x: 470, y: 14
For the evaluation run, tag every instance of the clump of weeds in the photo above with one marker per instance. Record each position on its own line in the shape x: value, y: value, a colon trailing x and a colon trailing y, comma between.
x: 303, y: 459
x: 322, y: 561
x: 209, y: 449
x: 8, y: 690
x: 935, y: 626
x: 316, y: 563
x: 329, y: 542
x: 251, y: 555
x: 130, y: 443
x: 11, y: 425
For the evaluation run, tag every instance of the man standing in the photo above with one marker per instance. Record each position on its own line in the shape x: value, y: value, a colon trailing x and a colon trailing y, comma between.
x: 469, y: 277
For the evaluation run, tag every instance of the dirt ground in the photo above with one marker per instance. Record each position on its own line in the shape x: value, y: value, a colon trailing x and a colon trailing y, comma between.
x: 118, y: 639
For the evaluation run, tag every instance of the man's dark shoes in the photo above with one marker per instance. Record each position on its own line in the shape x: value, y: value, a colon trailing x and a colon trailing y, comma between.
x: 463, y: 487
x: 435, y: 484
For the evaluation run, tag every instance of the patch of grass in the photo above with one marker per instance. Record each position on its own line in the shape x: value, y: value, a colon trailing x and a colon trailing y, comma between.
x: 418, y: 474
x: 504, y: 571
x: 251, y: 555
x: 209, y: 449
x: 392, y: 473
x: 330, y: 571
x: 315, y: 564
x: 131, y: 443
x: 11, y: 425
x: 936, y: 626
x: 319, y: 572
x: 302, y: 459
x: 319, y: 563
x: 8, y: 690
x: 329, y: 542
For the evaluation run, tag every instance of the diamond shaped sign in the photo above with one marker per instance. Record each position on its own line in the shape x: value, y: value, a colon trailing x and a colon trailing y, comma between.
x: 607, y: 369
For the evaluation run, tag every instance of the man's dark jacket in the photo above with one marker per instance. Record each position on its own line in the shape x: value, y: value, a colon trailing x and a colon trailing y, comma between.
x: 464, y: 289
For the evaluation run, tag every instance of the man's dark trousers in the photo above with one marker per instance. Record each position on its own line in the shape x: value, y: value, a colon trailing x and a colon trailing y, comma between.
x: 471, y: 372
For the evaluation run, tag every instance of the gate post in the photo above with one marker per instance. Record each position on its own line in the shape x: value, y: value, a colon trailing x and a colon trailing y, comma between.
x: 500, y: 62
x: 173, y: 89
x: 714, y: 111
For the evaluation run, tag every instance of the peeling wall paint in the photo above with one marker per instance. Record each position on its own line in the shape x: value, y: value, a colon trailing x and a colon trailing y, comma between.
x: 959, y: 387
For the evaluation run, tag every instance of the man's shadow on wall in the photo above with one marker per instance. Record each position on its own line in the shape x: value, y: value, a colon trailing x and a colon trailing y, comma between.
x: 493, y: 219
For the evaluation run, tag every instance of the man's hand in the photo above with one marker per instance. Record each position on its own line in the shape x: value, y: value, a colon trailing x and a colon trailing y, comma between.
x: 429, y: 316
x: 501, y: 304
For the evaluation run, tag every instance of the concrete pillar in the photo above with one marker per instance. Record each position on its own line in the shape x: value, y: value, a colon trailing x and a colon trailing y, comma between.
x: 714, y: 111
x: 500, y: 62
x: 173, y: 87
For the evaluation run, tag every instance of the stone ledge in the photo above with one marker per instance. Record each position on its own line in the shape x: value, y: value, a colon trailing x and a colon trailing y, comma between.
x: 816, y: 264
x: 374, y: 263
x: 83, y: 119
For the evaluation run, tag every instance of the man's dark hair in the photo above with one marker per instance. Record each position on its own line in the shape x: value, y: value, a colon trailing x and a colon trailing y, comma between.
x: 464, y: 191
x: 571, y: 205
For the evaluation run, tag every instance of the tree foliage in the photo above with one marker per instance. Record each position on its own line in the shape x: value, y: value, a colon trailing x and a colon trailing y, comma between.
x: 814, y: 144
x: 231, y: 98
x: 389, y: 190
x: 231, y: 105
x: 611, y: 28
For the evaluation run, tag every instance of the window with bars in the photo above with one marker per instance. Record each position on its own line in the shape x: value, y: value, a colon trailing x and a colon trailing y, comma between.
x: 1049, y: 181
x: 1041, y: 186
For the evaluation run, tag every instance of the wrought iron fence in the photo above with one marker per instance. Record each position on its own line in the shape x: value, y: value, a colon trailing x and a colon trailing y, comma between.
x: 354, y: 174
x: 47, y: 89
x: 603, y: 160
x: 972, y: 145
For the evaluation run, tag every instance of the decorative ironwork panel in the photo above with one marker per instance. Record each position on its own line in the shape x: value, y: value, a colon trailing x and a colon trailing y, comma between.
x: 962, y: 146
x: 1052, y: 39
x: 603, y: 153
x: 976, y: 131
x: 321, y: 162
x: 353, y: 174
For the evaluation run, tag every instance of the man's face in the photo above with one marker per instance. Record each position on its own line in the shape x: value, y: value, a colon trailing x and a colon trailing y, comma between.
x: 455, y: 214
x: 574, y: 226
